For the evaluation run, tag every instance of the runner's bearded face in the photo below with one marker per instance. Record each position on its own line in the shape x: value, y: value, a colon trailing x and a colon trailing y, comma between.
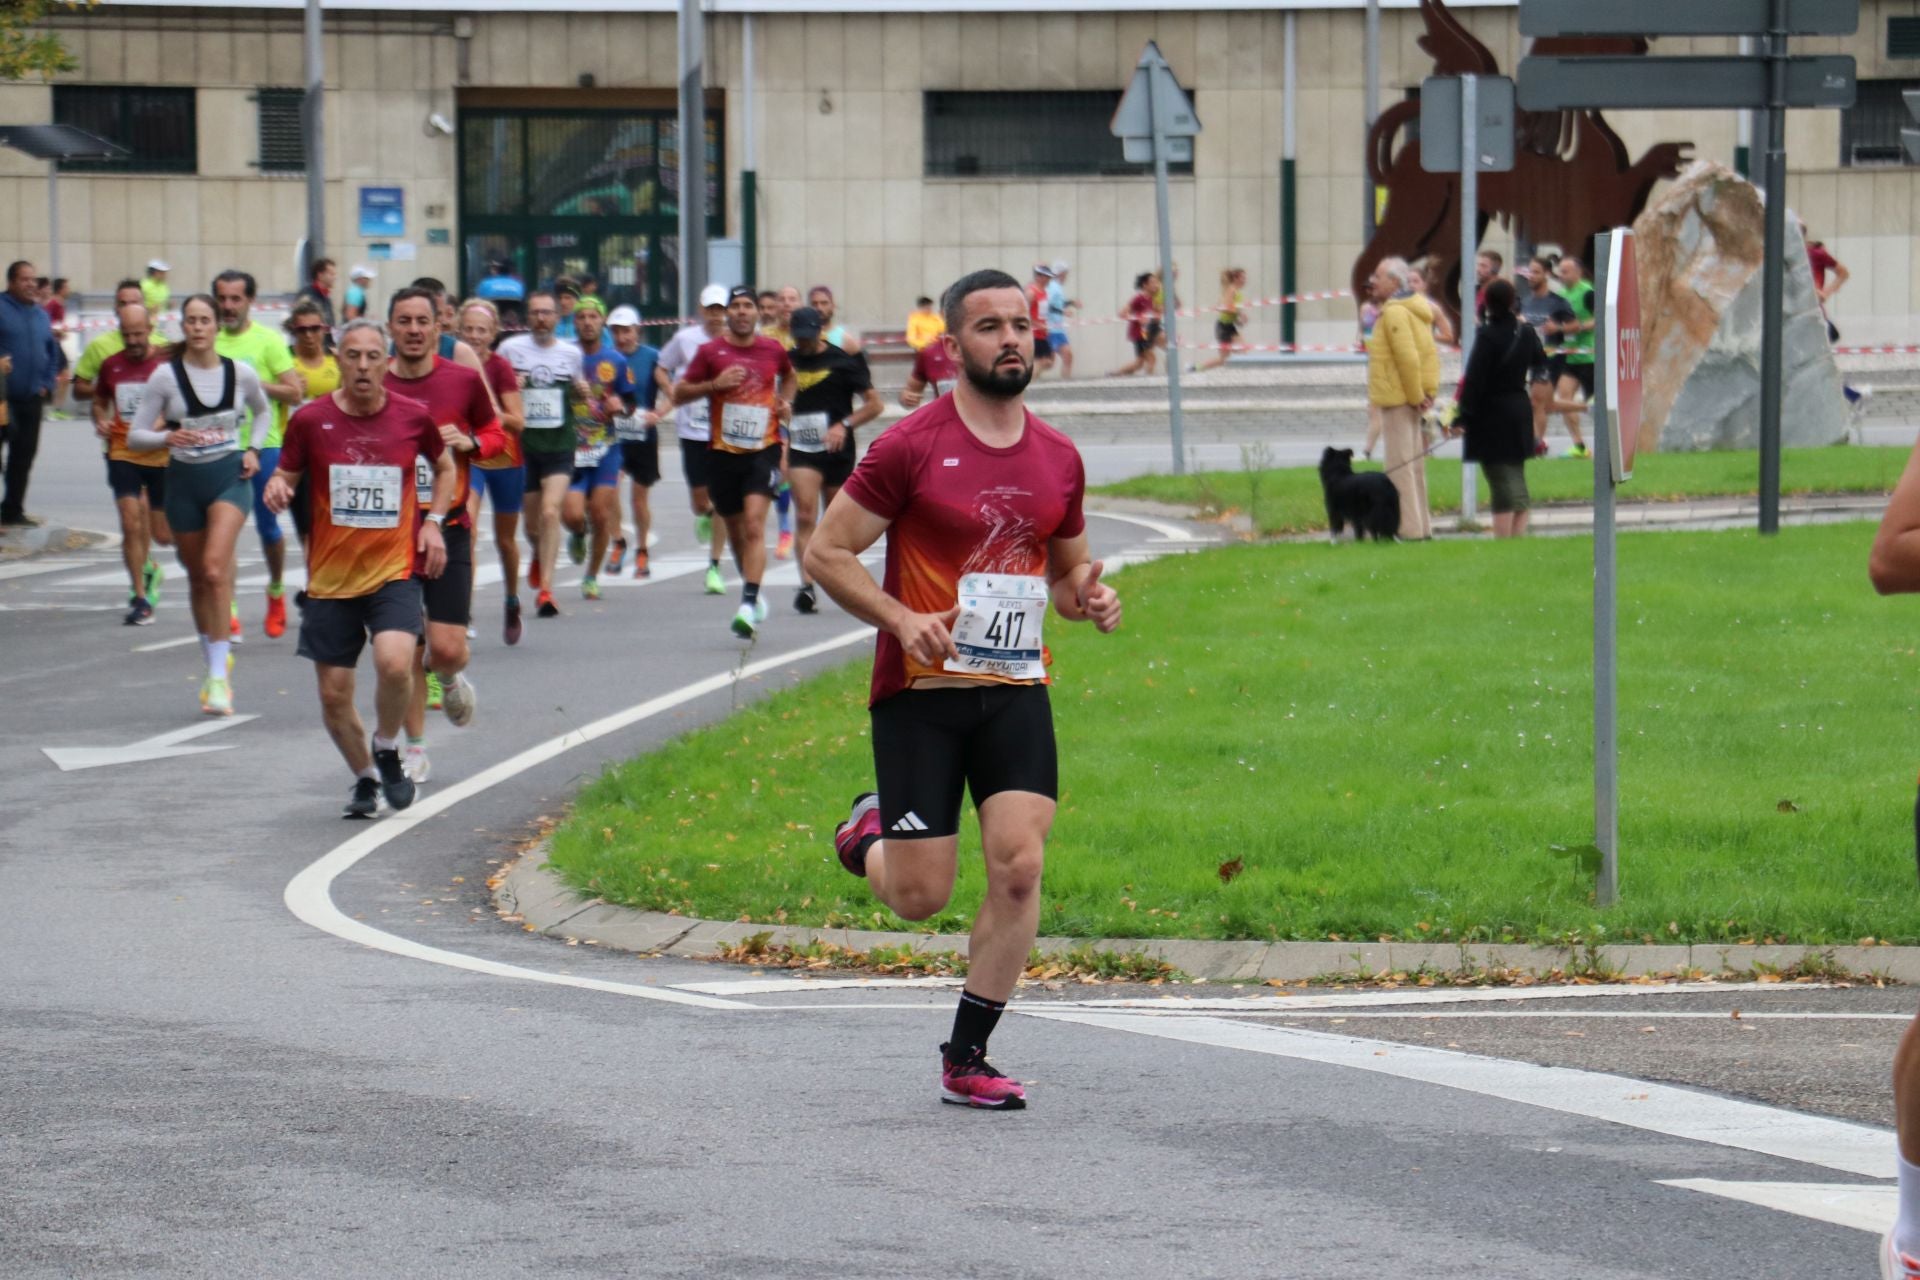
x: 589, y: 324
x: 743, y: 318
x: 416, y: 331
x: 996, y: 343
x: 234, y: 305
x: 363, y: 371
x: 137, y: 334
x: 543, y: 316
x: 789, y: 302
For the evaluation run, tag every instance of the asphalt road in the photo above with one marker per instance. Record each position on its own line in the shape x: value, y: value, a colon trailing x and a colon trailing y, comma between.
x: 195, y: 1080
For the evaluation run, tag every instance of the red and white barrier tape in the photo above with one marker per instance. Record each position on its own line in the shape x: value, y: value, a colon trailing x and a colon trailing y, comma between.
x: 1187, y: 313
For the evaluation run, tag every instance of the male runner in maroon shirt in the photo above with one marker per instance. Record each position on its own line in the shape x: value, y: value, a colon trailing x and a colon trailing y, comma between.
x: 749, y: 386
x: 981, y: 505
x: 463, y: 411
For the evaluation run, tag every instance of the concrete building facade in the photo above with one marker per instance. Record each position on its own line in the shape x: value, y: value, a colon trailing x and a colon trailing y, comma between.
x: 849, y: 192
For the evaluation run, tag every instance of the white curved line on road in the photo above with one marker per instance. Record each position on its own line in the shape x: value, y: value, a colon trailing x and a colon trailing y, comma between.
x: 1165, y: 528
x: 309, y: 895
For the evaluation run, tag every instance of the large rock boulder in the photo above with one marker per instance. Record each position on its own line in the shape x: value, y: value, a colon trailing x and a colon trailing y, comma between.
x: 1700, y: 249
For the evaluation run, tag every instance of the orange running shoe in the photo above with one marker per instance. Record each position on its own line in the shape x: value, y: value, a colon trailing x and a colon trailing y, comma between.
x: 533, y: 573
x: 276, y: 624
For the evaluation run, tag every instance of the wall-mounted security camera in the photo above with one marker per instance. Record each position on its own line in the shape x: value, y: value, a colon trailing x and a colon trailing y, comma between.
x: 437, y: 123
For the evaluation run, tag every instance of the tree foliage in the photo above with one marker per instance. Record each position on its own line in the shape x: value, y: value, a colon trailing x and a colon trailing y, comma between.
x: 29, y: 49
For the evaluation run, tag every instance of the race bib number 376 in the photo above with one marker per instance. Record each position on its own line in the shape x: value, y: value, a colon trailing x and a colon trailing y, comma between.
x: 364, y: 497
x: 998, y: 630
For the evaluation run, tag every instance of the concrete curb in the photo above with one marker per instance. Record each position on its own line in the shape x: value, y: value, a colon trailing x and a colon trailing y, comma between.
x: 31, y: 542
x: 546, y: 905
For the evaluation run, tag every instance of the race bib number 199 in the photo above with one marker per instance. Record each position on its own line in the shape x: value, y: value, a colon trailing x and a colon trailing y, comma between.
x: 998, y: 631
x: 364, y: 497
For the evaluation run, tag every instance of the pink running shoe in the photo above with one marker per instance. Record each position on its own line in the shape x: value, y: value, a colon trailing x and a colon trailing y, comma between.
x: 1895, y: 1265
x: 974, y: 1083
x: 852, y: 838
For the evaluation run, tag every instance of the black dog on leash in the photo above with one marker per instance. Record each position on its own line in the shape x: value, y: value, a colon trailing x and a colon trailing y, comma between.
x: 1367, y: 501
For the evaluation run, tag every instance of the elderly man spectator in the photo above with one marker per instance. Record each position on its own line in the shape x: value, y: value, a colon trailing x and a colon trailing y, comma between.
x: 26, y: 340
x: 1403, y: 377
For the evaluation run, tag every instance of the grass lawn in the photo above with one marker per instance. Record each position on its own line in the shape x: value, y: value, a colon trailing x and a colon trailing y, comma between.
x: 1288, y: 499
x: 1390, y: 740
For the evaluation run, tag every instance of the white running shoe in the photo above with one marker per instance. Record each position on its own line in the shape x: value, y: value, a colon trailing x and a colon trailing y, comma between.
x: 458, y: 699
x: 760, y: 610
x: 414, y: 762
x: 745, y: 621
x: 1895, y: 1265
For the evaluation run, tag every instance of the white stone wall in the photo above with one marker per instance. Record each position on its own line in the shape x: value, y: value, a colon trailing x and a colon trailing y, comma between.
x: 843, y: 196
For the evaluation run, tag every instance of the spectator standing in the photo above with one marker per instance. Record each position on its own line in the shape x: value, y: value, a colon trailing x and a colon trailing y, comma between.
x: 1403, y: 377
x: 65, y: 336
x: 26, y: 339
x: 924, y: 325
x: 1496, y: 406
x: 1487, y: 265
x: 1423, y: 285
x: 153, y: 287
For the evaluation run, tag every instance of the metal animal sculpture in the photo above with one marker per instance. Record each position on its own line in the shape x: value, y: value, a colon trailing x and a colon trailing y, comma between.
x: 1571, y: 177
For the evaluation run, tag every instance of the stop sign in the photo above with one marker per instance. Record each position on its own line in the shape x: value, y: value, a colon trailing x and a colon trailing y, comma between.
x: 1620, y: 352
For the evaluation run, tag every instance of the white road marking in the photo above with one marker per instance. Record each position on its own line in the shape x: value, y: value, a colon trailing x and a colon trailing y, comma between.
x: 785, y: 986
x: 1844, y: 1204
x: 30, y: 568
x: 1421, y: 996
x: 162, y: 746
x: 1746, y: 1015
x: 1166, y: 529
x: 158, y: 645
x: 309, y: 895
x: 1681, y: 1113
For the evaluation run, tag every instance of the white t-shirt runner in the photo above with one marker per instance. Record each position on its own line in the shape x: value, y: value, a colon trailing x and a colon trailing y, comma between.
x: 547, y: 375
x: 690, y: 421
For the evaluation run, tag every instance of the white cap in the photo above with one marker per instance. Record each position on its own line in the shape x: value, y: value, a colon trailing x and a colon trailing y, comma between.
x: 714, y: 295
x: 361, y: 272
x: 624, y: 318
x: 158, y: 264
x: 1060, y: 268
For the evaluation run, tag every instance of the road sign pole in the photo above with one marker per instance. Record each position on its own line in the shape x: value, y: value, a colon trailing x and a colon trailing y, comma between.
x: 1174, y: 424
x: 1289, y: 236
x: 1469, y: 248
x: 1606, y: 782
x: 693, y: 152
x: 313, y: 139
x: 53, y: 219
x: 1773, y: 278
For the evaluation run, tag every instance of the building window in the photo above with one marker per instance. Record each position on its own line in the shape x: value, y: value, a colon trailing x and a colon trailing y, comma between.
x: 1903, y: 37
x: 283, y: 148
x: 1870, y: 129
x: 156, y: 126
x: 1033, y: 134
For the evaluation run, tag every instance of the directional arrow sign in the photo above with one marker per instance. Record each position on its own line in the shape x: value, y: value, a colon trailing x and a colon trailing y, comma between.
x: 1677, y: 84
x: 162, y: 747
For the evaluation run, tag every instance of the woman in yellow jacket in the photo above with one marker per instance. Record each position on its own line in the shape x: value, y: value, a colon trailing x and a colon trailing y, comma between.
x: 1403, y: 377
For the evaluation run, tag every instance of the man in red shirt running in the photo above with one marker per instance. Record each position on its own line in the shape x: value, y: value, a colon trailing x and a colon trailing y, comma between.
x: 981, y: 505
x: 138, y: 480
x: 749, y: 385
x: 463, y: 413
x: 359, y: 444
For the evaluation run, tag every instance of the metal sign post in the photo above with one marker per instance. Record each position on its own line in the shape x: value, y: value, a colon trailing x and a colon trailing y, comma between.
x: 1606, y: 776
x: 693, y: 152
x: 1466, y: 127
x: 313, y: 142
x: 1156, y: 115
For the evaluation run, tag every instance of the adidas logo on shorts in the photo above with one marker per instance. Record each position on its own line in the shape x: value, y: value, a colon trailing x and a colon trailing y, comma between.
x: 911, y: 822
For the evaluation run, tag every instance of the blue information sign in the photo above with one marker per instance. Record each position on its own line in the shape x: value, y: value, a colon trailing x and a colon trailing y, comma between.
x: 382, y: 212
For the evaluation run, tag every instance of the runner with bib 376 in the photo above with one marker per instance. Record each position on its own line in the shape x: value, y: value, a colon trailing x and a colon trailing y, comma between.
x: 980, y: 502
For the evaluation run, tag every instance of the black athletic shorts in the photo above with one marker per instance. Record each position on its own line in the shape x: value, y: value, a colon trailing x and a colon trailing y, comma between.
x: 130, y: 480
x: 929, y: 743
x: 834, y: 468
x: 1042, y: 347
x: 693, y: 462
x: 732, y: 477
x: 449, y: 597
x: 1556, y: 365
x: 332, y: 632
x: 542, y: 463
x: 641, y: 460
x: 1224, y: 333
x: 1582, y: 374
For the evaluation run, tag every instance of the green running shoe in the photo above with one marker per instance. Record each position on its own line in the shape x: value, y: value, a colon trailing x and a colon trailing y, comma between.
x: 577, y: 547
x: 435, y: 694
x: 715, y: 587
x: 590, y: 588
x: 150, y: 580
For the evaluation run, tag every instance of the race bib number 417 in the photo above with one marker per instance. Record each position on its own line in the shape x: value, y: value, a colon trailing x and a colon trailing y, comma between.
x: 998, y: 630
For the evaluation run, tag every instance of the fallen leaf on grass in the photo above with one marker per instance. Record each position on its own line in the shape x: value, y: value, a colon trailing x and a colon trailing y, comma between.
x: 1228, y: 870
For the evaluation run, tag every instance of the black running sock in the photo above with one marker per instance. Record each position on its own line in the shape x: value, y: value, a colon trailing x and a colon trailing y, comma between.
x: 749, y: 593
x: 713, y: 564
x: 973, y: 1022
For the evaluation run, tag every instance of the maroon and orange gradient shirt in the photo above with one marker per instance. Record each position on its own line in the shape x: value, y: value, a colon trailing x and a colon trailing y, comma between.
x: 345, y: 562
x: 456, y: 395
x: 959, y: 506
x: 744, y: 415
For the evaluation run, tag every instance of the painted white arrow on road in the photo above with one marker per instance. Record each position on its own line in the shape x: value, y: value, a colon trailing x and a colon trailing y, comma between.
x: 160, y: 747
